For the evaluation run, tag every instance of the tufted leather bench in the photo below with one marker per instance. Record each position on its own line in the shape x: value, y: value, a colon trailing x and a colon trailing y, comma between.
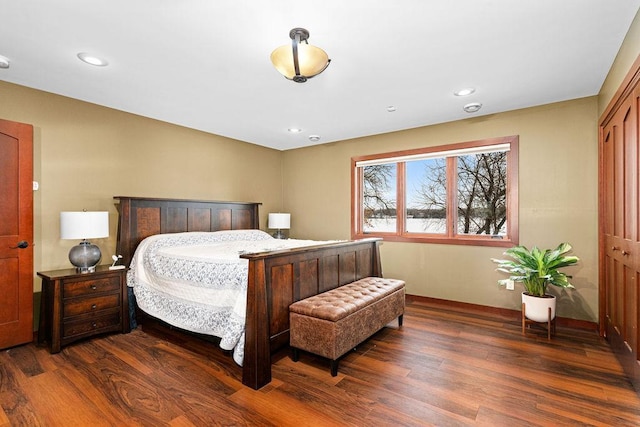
x: 332, y: 323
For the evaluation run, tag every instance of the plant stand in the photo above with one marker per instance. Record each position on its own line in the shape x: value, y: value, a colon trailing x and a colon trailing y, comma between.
x: 551, y: 323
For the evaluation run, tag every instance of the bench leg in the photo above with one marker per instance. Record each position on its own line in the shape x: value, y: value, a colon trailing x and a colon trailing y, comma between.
x: 295, y: 354
x: 334, y: 368
x: 400, y: 319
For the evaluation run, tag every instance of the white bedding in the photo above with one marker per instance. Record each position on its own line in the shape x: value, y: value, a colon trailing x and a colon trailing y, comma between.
x: 198, y: 282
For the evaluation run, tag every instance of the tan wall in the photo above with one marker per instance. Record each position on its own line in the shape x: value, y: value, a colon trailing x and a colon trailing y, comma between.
x: 130, y: 155
x: 85, y: 154
x: 627, y: 54
x: 558, y: 202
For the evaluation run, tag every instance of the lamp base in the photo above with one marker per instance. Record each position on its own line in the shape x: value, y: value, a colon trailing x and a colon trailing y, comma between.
x: 85, y: 256
x: 279, y: 235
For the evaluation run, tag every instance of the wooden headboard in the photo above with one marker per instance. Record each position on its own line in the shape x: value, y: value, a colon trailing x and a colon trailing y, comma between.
x: 141, y: 217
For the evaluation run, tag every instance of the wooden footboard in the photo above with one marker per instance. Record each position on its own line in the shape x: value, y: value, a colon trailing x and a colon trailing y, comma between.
x: 278, y: 279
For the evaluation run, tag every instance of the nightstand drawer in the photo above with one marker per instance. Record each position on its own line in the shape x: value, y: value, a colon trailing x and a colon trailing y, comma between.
x: 79, y: 306
x: 90, y: 326
x: 91, y: 286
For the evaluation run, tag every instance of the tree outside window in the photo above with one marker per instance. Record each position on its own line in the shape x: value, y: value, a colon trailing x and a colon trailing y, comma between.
x: 379, y: 198
x: 460, y: 193
x: 482, y: 193
x: 426, y: 191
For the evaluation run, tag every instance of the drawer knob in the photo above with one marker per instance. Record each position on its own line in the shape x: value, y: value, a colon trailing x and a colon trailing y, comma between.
x: 93, y: 306
x: 94, y: 287
x: 94, y: 325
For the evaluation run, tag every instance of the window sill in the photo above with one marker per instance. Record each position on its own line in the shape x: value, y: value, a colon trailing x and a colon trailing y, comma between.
x: 467, y: 241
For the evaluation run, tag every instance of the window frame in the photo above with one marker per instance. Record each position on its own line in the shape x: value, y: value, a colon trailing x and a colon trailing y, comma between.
x: 451, y: 236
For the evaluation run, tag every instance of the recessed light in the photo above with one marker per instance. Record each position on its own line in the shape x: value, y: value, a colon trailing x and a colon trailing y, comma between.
x: 4, y: 62
x: 472, y: 107
x: 314, y: 138
x: 294, y: 130
x: 464, y: 92
x: 92, y: 59
x: 391, y: 108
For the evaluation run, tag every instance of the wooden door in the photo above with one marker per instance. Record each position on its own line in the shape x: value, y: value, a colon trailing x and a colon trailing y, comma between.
x: 620, y: 228
x: 16, y: 233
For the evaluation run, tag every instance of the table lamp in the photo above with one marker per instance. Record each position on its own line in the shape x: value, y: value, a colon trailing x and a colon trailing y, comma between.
x: 83, y: 226
x: 279, y: 221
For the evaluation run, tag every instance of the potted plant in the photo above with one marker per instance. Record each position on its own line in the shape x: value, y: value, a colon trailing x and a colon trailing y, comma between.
x: 537, y: 269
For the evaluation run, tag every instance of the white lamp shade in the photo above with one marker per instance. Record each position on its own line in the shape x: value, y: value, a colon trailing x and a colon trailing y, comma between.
x: 84, y: 225
x: 280, y: 221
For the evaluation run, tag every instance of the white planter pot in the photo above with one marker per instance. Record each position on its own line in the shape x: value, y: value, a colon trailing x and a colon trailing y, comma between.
x: 537, y: 308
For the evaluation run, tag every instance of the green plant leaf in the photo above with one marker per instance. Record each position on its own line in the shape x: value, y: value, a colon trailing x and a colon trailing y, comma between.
x: 536, y: 269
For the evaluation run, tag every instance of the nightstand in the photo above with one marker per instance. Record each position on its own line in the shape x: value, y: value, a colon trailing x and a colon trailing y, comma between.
x: 80, y: 305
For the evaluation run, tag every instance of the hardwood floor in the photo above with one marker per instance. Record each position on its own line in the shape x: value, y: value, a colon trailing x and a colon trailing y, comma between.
x: 444, y: 367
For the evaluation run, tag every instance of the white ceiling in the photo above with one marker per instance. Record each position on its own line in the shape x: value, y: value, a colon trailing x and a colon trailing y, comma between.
x: 205, y: 64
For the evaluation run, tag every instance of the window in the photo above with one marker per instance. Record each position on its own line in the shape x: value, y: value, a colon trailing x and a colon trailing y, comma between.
x: 460, y: 193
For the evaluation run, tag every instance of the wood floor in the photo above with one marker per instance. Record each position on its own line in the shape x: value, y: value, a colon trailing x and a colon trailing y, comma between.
x: 444, y: 367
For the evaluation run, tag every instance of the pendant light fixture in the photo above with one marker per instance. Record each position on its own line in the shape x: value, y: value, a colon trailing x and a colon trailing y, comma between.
x: 300, y: 61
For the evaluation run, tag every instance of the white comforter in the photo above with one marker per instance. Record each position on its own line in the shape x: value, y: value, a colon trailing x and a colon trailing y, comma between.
x: 198, y: 282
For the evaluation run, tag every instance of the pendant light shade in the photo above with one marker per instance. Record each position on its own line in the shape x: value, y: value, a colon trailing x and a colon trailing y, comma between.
x: 300, y: 61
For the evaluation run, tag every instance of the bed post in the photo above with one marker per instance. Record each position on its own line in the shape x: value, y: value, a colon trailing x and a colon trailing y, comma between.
x: 256, y: 366
x: 376, y: 263
x: 124, y: 229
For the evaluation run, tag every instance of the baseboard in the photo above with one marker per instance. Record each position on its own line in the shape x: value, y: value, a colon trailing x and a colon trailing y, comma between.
x: 463, y: 306
x: 504, y: 313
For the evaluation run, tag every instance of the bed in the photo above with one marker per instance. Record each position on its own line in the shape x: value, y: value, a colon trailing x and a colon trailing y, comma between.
x: 274, y: 279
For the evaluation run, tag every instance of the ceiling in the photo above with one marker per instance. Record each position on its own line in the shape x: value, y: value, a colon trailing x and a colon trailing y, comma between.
x: 204, y: 64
